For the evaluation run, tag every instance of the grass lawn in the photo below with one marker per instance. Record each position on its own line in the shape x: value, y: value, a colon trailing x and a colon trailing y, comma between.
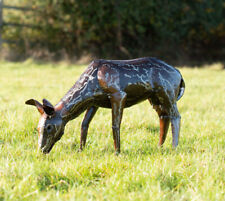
x: 194, y: 171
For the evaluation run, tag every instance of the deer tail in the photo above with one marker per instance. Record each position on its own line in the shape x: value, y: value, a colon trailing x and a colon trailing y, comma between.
x: 181, y: 90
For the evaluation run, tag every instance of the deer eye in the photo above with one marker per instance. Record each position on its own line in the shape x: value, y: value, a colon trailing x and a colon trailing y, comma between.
x: 49, y: 128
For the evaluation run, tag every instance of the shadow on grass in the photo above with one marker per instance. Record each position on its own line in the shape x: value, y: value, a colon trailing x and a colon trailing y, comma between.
x: 153, y: 129
x: 171, y: 182
x: 48, y: 181
x: 55, y: 181
x: 147, y: 150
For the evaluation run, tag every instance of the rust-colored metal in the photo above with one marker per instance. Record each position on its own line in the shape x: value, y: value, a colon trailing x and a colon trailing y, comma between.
x: 115, y: 84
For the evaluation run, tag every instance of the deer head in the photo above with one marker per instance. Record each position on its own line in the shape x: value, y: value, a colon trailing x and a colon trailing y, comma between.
x: 50, y: 126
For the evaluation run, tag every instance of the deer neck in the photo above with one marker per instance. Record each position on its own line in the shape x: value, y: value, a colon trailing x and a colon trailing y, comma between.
x: 80, y: 96
x: 76, y: 101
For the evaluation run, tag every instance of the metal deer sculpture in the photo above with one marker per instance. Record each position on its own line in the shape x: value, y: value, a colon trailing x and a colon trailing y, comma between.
x: 115, y: 84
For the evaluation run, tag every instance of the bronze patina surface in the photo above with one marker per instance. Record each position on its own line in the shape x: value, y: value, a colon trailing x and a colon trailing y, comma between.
x: 115, y: 84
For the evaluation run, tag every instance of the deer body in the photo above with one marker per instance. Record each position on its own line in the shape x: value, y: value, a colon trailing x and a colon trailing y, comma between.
x: 117, y: 85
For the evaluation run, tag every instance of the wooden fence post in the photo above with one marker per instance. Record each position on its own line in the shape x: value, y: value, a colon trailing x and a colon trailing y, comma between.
x: 1, y: 21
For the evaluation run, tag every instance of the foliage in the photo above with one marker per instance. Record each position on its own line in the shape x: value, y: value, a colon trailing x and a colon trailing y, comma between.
x: 122, y: 28
x: 194, y: 171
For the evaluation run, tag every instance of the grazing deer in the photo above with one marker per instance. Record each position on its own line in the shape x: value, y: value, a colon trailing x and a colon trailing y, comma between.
x: 115, y: 84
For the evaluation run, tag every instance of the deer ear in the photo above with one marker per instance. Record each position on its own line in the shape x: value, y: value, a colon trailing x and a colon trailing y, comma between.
x: 48, y: 107
x: 38, y: 105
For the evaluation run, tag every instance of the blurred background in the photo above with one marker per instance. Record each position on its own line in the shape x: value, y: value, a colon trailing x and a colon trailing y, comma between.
x: 181, y: 32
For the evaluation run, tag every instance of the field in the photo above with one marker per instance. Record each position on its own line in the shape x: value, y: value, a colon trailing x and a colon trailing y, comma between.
x: 194, y: 171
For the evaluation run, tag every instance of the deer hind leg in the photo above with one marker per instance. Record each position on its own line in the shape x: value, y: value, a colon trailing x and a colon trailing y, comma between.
x: 168, y: 113
x: 174, y: 117
x: 118, y: 100
x: 85, y: 124
x: 175, y: 124
x: 164, y: 121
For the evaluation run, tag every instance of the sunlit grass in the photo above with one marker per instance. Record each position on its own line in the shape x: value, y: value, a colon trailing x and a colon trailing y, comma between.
x: 195, y: 171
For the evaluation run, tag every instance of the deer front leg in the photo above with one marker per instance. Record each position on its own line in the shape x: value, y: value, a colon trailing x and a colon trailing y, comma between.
x: 117, y: 103
x: 85, y: 124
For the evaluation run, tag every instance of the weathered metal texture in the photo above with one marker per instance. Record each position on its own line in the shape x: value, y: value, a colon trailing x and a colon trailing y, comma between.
x: 115, y: 84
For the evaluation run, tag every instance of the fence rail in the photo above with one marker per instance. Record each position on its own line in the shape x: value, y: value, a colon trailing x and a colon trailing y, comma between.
x: 2, y: 23
x: 21, y: 25
x: 18, y: 8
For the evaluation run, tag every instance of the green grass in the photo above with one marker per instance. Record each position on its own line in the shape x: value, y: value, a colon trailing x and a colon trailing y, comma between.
x: 194, y: 171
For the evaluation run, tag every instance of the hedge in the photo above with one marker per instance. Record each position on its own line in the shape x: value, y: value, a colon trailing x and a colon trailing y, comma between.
x: 122, y: 28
